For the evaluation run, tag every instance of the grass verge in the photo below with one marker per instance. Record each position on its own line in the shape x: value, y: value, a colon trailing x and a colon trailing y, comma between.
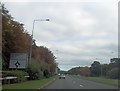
x: 104, y: 80
x: 35, y: 84
x: 113, y: 82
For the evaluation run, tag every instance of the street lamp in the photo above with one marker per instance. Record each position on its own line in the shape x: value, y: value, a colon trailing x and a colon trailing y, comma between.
x: 32, y: 35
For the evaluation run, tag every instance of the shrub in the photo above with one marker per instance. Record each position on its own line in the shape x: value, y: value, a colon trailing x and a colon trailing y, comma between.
x: 19, y: 74
x: 34, y: 70
x: 46, y: 73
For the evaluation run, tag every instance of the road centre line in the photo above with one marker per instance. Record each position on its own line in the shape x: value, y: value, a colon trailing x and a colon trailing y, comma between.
x: 81, y: 85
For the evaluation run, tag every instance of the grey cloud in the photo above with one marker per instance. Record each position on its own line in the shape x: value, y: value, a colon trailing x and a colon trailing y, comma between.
x: 80, y: 32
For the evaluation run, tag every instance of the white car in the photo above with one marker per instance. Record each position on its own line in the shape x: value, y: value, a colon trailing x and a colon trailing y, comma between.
x: 62, y: 76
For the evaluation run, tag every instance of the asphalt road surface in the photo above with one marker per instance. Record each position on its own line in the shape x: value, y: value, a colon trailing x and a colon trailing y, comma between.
x: 76, y: 83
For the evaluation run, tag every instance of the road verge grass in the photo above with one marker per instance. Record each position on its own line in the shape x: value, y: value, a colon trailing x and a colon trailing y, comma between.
x: 34, y: 84
x: 113, y: 82
x: 103, y: 80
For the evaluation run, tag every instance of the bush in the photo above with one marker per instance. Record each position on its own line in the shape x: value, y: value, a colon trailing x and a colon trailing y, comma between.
x: 19, y: 74
x: 46, y: 73
x: 34, y: 70
x: 113, y: 73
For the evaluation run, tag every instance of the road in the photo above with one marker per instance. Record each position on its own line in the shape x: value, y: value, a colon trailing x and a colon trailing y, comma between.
x: 76, y: 83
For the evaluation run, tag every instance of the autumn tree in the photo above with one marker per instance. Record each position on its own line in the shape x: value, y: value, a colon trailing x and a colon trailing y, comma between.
x: 42, y: 53
x: 83, y: 71
x: 14, y: 37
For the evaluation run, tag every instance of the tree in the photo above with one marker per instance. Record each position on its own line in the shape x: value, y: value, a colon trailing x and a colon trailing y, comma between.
x: 42, y: 53
x: 105, y: 69
x: 14, y: 37
x: 113, y: 68
x: 34, y: 70
x: 113, y: 73
x: 84, y: 71
x: 17, y: 40
x: 95, y: 68
x: 114, y: 62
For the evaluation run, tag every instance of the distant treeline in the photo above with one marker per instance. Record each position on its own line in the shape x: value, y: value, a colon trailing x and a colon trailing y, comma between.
x: 110, y: 70
x: 15, y: 39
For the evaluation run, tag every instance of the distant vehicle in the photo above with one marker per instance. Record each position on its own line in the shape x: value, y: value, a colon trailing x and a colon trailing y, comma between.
x: 62, y: 76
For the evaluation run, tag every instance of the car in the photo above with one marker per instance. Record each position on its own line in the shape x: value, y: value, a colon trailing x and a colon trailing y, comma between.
x: 62, y: 76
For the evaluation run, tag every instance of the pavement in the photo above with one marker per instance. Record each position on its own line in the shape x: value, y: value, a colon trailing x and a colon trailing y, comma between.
x: 76, y: 83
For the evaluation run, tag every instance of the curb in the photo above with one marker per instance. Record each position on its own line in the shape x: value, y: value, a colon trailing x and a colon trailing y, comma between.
x: 45, y: 85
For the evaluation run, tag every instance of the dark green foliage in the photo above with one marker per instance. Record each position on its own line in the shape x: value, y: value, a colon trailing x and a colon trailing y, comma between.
x: 34, y: 70
x: 95, y: 68
x: 45, y: 57
x: 110, y: 70
x: 105, y: 69
x: 46, y: 73
x: 114, y: 62
x: 113, y: 73
x: 113, y: 68
x: 19, y: 74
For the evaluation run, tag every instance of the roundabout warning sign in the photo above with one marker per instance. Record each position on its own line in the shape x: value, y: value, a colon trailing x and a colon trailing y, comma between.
x: 18, y: 60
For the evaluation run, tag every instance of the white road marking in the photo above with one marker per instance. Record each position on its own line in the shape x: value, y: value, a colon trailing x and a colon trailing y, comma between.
x: 81, y: 85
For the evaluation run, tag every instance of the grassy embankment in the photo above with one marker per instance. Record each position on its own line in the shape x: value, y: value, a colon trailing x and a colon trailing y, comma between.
x: 34, y: 84
x: 103, y: 80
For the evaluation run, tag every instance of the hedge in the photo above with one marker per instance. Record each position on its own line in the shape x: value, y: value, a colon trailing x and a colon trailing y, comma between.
x: 19, y: 74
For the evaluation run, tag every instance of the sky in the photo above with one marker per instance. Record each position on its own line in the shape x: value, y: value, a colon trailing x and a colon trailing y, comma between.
x: 78, y: 33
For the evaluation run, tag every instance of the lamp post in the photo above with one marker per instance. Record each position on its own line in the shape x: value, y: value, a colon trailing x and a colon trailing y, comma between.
x: 32, y: 35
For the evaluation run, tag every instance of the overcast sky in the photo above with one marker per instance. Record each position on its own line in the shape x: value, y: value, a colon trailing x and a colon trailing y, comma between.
x: 77, y: 33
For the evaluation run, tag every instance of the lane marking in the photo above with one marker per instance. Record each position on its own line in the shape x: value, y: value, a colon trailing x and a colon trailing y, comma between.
x: 81, y: 85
